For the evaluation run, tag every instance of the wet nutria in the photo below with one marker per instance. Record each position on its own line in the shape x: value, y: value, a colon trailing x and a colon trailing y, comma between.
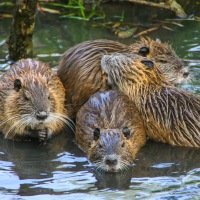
x: 170, y: 114
x: 32, y: 101
x: 109, y: 129
x: 80, y: 72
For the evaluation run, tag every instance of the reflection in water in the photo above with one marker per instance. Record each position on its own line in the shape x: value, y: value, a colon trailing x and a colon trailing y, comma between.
x: 112, y: 180
x: 60, y: 166
x: 157, y: 159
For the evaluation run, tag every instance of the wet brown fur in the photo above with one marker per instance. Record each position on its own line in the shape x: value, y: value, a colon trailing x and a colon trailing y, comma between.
x: 80, y: 72
x: 170, y: 114
x: 41, y: 91
x: 110, y: 111
x: 166, y: 58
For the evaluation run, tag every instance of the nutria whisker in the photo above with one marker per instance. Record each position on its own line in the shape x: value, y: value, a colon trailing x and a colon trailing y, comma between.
x: 67, y: 118
x: 19, y: 123
x: 63, y: 118
x: 10, y: 119
x: 124, y: 165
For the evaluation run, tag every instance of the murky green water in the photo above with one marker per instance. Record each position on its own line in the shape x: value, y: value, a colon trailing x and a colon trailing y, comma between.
x: 59, y: 170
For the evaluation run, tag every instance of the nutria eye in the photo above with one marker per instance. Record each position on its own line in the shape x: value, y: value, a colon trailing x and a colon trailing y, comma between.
x: 100, y: 146
x: 49, y: 96
x: 17, y: 85
x: 126, y: 131
x: 96, y: 133
x: 144, y: 51
x: 186, y: 74
x: 148, y: 63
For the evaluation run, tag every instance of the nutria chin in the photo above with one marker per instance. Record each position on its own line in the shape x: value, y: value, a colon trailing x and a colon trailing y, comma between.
x: 110, y: 130
x: 32, y: 101
x: 80, y: 72
x: 170, y: 114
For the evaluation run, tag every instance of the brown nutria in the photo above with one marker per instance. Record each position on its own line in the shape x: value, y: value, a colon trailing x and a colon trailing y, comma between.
x: 109, y: 129
x: 170, y: 114
x: 32, y: 101
x: 80, y: 72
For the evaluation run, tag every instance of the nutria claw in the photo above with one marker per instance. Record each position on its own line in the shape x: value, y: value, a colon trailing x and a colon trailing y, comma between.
x: 42, y: 135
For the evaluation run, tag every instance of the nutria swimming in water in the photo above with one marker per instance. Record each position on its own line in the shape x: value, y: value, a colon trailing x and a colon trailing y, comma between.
x: 80, y: 72
x: 32, y: 101
x: 110, y: 130
x: 170, y: 114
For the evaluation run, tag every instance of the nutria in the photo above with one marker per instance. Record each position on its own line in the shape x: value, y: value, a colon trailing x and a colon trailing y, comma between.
x: 80, y: 72
x: 32, y: 101
x: 170, y: 114
x: 109, y: 129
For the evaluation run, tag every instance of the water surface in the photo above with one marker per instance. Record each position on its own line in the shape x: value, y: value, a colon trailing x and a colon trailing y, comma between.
x: 60, y: 170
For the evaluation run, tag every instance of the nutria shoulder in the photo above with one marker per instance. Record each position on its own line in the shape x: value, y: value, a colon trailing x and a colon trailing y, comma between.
x: 110, y: 130
x: 170, y: 114
x: 80, y: 72
x: 32, y: 101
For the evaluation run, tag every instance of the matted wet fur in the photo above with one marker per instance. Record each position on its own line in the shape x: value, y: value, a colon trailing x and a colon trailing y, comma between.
x: 80, y: 72
x: 110, y: 130
x: 170, y: 114
x: 32, y: 101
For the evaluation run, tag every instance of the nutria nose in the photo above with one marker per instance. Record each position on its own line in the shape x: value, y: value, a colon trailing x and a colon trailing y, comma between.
x: 111, y: 161
x: 185, y: 74
x: 42, y: 115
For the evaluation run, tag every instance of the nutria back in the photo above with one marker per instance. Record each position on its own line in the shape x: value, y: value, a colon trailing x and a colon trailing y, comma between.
x: 80, y: 72
x: 109, y: 129
x: 32, y: 101
x: 170, y: 114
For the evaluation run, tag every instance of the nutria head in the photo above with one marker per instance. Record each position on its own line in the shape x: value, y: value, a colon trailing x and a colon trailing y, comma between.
x: 128, y: 71
x: 111, y: 150
x: 170, y: 64
x: 33, y: 100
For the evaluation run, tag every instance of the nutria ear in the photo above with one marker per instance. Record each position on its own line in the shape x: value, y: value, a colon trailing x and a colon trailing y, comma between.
x: 96, y: 133
x: 126, y: 131
x: 144, y: 51
x: 17, y: 85
x: 148, y: 63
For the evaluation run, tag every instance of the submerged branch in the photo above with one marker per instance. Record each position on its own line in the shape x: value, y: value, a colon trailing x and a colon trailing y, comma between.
x: 169, y: 5
x: 20, y: 39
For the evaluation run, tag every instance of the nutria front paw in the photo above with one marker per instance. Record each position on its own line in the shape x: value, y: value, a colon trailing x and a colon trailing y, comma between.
x: 42, y: 135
